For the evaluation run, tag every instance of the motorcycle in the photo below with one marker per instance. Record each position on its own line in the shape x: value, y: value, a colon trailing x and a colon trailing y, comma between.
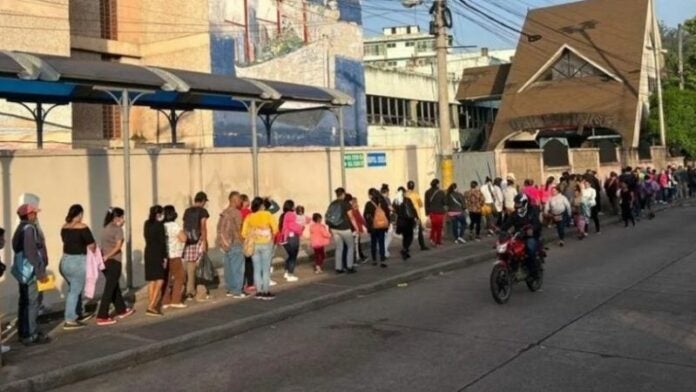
x: 511, y: 267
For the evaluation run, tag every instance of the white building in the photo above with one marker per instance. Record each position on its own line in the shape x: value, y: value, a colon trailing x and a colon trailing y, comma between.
x: 401, y: 88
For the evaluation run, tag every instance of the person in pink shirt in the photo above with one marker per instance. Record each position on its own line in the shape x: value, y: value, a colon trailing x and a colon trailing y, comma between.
x: 532, y: 193
x: 290, y: 234
x: 319, y: 238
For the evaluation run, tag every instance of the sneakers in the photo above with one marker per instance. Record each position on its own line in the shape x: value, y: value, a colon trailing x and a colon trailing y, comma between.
x: 351, y: 270
x: 259, y: 296
x: 105, y: 321
x: 291, y: 278
x: 85, y: 317
x: 561, y: 244
x: 203, y: 299
x: 318, y: 270
x: 460, y: 240
x: 239, y: 296
x: 36, y: 339
x: 128, y: 312
x: 250, y: 289
x: 73, y: 325
x: 179, y: 306
x: 165, y: 307
x: 154, y: 313
x: 4, y: 349
x: 272, y: 283
x: 268, y: 297
x: 340, y: 271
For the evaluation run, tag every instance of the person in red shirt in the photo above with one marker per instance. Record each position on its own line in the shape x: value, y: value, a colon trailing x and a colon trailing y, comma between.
x: 359, y: 232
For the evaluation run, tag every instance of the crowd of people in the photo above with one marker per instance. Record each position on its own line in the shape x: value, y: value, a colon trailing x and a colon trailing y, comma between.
x: 248, y: 233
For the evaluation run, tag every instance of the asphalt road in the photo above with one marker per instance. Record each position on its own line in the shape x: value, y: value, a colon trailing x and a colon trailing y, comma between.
x: 617, y: 313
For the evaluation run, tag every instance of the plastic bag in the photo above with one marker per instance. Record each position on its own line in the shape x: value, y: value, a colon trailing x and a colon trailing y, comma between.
x: 206, y: 274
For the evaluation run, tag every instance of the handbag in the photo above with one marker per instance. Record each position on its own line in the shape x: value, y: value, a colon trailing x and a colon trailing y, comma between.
x: 22, y: 269
x: 249, y: 246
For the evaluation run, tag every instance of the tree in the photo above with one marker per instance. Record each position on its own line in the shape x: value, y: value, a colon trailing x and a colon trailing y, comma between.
x: 670, y: 43
x: 680, y: 119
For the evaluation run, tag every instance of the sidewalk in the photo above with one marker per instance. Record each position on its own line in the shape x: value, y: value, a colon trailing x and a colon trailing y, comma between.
x: 77, y: 355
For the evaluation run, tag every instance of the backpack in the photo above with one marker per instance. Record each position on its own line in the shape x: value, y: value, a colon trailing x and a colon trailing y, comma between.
x: 192, y: 222
x: 335, y: 217
x: 380, y: 221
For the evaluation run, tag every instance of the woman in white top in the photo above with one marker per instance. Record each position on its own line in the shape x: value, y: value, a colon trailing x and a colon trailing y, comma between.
x: 176, y: 239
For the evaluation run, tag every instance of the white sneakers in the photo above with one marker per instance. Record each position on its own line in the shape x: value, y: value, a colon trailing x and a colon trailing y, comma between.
x: 290, y: 277
x: 460, y: 240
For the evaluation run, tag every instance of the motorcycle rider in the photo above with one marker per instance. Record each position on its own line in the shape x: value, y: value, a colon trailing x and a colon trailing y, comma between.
x: 526, y: 217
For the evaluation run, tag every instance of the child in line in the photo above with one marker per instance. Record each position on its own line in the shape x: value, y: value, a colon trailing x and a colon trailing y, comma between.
x: 320, y: 237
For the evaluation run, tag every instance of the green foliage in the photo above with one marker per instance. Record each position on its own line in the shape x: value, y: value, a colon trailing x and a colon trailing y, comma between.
x: 670, y: 43
x: 680, y: 119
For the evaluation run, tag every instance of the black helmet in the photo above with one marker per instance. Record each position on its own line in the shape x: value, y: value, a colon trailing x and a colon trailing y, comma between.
x: 521, y: 204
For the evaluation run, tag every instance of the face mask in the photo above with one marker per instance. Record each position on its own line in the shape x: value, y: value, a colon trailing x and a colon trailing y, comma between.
x: 160, y: 219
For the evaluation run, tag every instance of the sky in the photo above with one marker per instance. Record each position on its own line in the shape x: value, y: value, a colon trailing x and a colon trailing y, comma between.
x: 467, y: 27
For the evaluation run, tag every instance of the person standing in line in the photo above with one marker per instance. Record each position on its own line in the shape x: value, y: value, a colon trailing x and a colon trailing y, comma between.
x: 406, y: 219
x: 499, y: 198
x: 359, y: 231
x: 260, y: 228
x: 589, y: 196
x: 156, y: 257
x: 376, y: 215
x: 196, y: 229
x: 320, y: 238
x: 417, y: 202
x: 474, y: 204
x: 489, y: 210
x: 248, y: 264
x: 558, y: 210
x: 111, y: 245
x: 176, y: 275
x: 229, y: 235
x: 290, y: 235
x: 597, y: 208
x: 456, y: 206
x: 28, y: 242
x: 342, y: 224
x: 77, y: 240
x: 611, y: 188
x: 509, y: 194
x: 435, y: 202
x: 626, y: 199
x: 384, y: 191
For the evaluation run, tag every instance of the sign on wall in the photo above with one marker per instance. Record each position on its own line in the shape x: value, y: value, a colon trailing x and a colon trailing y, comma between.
x: 376, y: 159
x: 354, y: 160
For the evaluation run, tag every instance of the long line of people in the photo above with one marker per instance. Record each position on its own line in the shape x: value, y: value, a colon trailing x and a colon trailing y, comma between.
x: 248, y: 234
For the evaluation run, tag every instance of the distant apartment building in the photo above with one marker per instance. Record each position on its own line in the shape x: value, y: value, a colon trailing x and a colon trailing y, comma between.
x: 402, y: 90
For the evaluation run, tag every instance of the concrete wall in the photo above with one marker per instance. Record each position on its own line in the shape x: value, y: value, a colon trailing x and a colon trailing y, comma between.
x: 474, y: 166
x: 582, y: 159
x: 522, y: 163
x: 94, y: 178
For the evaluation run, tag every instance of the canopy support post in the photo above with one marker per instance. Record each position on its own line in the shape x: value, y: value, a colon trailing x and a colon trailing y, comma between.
x: 39, y: 115
x: 173, y: 118
x: 254, y: 107
x: 122, y: 98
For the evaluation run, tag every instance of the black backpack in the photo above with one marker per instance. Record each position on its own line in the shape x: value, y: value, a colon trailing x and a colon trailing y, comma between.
x: 335, y: 217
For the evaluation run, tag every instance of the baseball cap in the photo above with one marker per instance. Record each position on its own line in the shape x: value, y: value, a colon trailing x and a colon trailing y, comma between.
x: 200, y: 196
x: 26, y: 209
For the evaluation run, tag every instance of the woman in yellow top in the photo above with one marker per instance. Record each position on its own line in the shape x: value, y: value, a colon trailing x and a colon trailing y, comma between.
x: 260, y: 227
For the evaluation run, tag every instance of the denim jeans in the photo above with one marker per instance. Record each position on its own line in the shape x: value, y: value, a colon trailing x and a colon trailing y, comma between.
x: 292, y: 247
x: 377, y: 241
x: 263, y: 253
x: 458, y: 225
x: 344, y: 241
x: 73, y: 269
x: 233, y: 261
x: 28, y: 310
x: 532, y: 249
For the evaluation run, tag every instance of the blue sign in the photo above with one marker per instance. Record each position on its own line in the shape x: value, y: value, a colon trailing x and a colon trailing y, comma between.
x: 376, y: 159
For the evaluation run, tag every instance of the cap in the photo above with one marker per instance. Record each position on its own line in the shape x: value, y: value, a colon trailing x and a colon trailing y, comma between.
x: 26, y: 209
x: 200, y: 196
x: 511, y: 176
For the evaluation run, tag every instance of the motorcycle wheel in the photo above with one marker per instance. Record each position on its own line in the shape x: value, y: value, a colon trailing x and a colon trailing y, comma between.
x: 501, y: 284
x: 535, y: 284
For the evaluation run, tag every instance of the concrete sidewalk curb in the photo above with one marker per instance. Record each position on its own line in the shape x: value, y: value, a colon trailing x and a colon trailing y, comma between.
x: 154, y: 351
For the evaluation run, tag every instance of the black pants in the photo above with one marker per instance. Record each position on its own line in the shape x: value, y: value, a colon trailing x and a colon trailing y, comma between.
x: 421, y: 238
x: 594, y: 214
x: 248, y: 271
x: 28, y: 311
x: 407, y: 237
x: 475, y: 225
x: 377, y: 241
x: 112, y: 290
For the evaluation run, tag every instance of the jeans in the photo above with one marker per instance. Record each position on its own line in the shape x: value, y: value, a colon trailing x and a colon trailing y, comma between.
x: 112, y: 290
x: 73, y: 269
x: 532, y: 249
x: 458, y: 225
x: 344, y: 248
x: 562, y: 224
x: 263, y: 253
x: 28, y: 311
x: 377, y: 241
x: 233, y: 261
x: 475, y: 225
x: 437, y: 223
x: 292, y: 247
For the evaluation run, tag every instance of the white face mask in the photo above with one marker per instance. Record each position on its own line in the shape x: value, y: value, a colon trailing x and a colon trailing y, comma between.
x: 160, y: 218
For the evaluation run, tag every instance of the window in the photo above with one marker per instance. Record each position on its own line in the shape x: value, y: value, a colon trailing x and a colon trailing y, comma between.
x: 391, y: 63
x: 410, y: 44
x: 108, y: 19
x: 408, y: 30
x: 391, y: 45
x: 387, y: 110
x: 425, y: 46
x: 393, y: 30
x: 426, y: 114
x: 374, y: 50
x: 570, y: 66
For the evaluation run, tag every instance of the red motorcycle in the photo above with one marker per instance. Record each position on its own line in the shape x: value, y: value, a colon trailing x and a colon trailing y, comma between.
x: 511, y: 267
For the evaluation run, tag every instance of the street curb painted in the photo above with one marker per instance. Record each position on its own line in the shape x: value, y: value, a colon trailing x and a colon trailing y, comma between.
x: 92, y: 368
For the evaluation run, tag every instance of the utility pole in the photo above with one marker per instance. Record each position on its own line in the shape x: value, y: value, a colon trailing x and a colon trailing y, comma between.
x: 441, y: 43
x: 680, y: 40
x: 657, y: 50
